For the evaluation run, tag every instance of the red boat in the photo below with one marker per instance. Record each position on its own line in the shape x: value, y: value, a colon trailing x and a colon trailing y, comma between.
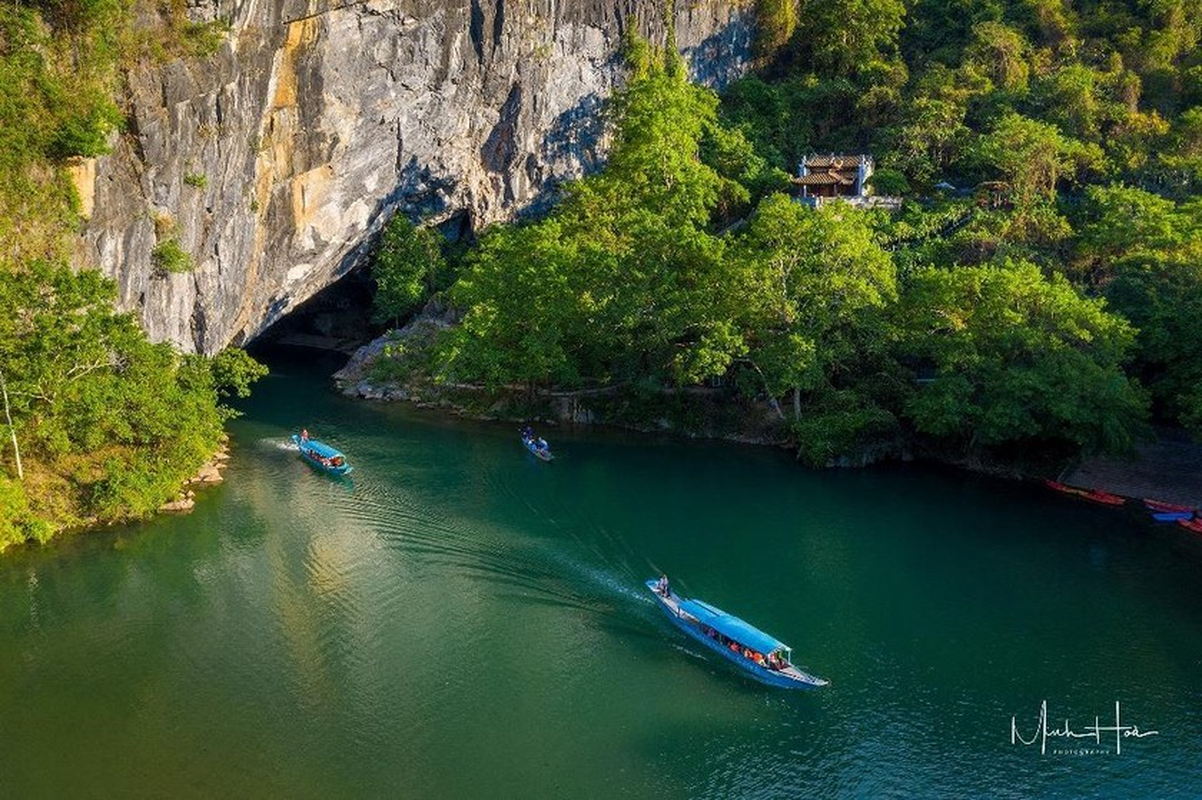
x: 1160, y: 505
x: 1096, y: 495
x: 1194, y: 525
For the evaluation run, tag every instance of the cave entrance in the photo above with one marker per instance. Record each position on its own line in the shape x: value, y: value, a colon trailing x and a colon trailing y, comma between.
x: 336, y: 320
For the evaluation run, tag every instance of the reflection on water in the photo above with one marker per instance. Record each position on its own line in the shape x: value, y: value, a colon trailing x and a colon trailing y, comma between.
x: 463, y: 620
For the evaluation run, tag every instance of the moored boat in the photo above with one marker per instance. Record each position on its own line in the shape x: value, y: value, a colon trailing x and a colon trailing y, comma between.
x: 756, y: 652
x: 1096, y: 495
x: 1163, y: 507
x: 321, y: 455
x: 1171, y: 516
x: 1194, y: 525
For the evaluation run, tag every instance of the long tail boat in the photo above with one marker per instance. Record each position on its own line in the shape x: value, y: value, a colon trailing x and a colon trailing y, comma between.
x: 321, y: 455
x: 762, y: 656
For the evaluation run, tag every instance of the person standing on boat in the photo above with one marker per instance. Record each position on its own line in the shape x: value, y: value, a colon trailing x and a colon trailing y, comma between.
x: 661, y: 586
x: 304, y: 434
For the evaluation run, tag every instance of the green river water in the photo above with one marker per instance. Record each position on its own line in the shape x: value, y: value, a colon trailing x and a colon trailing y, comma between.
x: 461, y: 620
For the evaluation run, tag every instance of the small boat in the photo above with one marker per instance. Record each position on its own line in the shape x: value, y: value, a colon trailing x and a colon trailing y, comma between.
x: 1096, y: 495
x: 1171, y: 516
x: 1194, y: 525
x: 536, y: 445
x: 765, y: 658
x: 321, y: 455
x: 1160, y: 505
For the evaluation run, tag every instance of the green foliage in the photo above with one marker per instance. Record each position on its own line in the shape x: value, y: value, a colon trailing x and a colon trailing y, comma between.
x: 1032, y: 157
x: 625, y: 279
x: 14, y: 513
x: 408, y: 267
x: 109, y: 423
x: 1162, y: 295
x: 196, y: 179
x: 169, y: 257
x: 889, y: 182
x: 815, y: 284
x: 775, y: 22
x: 233, y: 371
x: 629, y: 282
x: 839, y: 423
x: 1018, y: 357
x: 845, y: 37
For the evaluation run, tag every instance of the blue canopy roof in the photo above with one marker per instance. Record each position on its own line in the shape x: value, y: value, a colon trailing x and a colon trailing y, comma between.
x: 319, y: 448
x: 730, y: 626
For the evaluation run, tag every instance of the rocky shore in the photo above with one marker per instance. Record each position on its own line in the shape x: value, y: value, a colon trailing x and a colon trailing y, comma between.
x: 207, y: 475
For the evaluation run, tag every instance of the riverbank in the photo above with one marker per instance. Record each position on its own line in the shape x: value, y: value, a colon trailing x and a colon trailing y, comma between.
x: 210, y: 474
x: 396, y: 367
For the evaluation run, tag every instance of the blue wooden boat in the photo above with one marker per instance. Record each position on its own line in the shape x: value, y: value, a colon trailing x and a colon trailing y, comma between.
x: 322, y: 456
x: 765, y: 658
x: 537, y: 446
x: 1171, y: 516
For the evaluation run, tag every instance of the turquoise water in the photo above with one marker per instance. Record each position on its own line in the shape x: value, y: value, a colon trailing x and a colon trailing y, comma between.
x: 458, y: 619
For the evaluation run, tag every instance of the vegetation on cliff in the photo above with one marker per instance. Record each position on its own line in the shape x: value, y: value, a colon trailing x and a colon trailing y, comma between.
x: 1045, y: 315
x: 99, y: 423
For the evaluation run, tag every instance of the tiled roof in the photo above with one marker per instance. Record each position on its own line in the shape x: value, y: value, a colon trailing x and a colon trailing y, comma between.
x: 832, y: 160
x: 824, y: 179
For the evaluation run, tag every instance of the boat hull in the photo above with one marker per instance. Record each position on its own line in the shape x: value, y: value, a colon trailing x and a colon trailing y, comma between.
x: 315, y: 462
x: 792, y: 679
x: 1194, y: 525
x: 1171, y: 516
x: 544, y: 455
x: 1094, y: 495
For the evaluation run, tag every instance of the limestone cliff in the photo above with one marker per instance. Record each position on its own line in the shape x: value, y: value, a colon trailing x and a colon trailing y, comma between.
x: 274, y: 161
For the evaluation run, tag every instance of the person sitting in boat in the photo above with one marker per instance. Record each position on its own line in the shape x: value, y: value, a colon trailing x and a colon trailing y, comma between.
x: 541, y: 444
x: 527, y: 433
x: 661, y: 586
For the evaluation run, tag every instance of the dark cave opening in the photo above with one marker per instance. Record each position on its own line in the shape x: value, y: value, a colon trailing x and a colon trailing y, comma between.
x: 337, y: 319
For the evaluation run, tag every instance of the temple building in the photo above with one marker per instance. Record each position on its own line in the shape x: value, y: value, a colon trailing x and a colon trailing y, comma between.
x: 830, y: 176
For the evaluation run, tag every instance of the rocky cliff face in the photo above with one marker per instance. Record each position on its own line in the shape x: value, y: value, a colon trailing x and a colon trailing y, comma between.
x: 273, y: 162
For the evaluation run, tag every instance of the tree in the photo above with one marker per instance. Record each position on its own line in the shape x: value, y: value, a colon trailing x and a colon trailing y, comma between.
x: 815, y: 286
x: 1033, y: 157
x: 234, y: 371
x: 12, y: 429
x: 1162, y: 296
x: 111, y: 423
x: 1018, y: 357
x: 845, y: 36
x: 1120, y: 221
x: 408, y: 267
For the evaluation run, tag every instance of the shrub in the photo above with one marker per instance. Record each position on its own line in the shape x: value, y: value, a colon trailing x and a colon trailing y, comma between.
x: 168, y: 256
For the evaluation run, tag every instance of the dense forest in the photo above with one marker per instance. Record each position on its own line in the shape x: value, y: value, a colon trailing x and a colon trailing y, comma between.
x: 98, y: 423
x: 1031, y: 300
